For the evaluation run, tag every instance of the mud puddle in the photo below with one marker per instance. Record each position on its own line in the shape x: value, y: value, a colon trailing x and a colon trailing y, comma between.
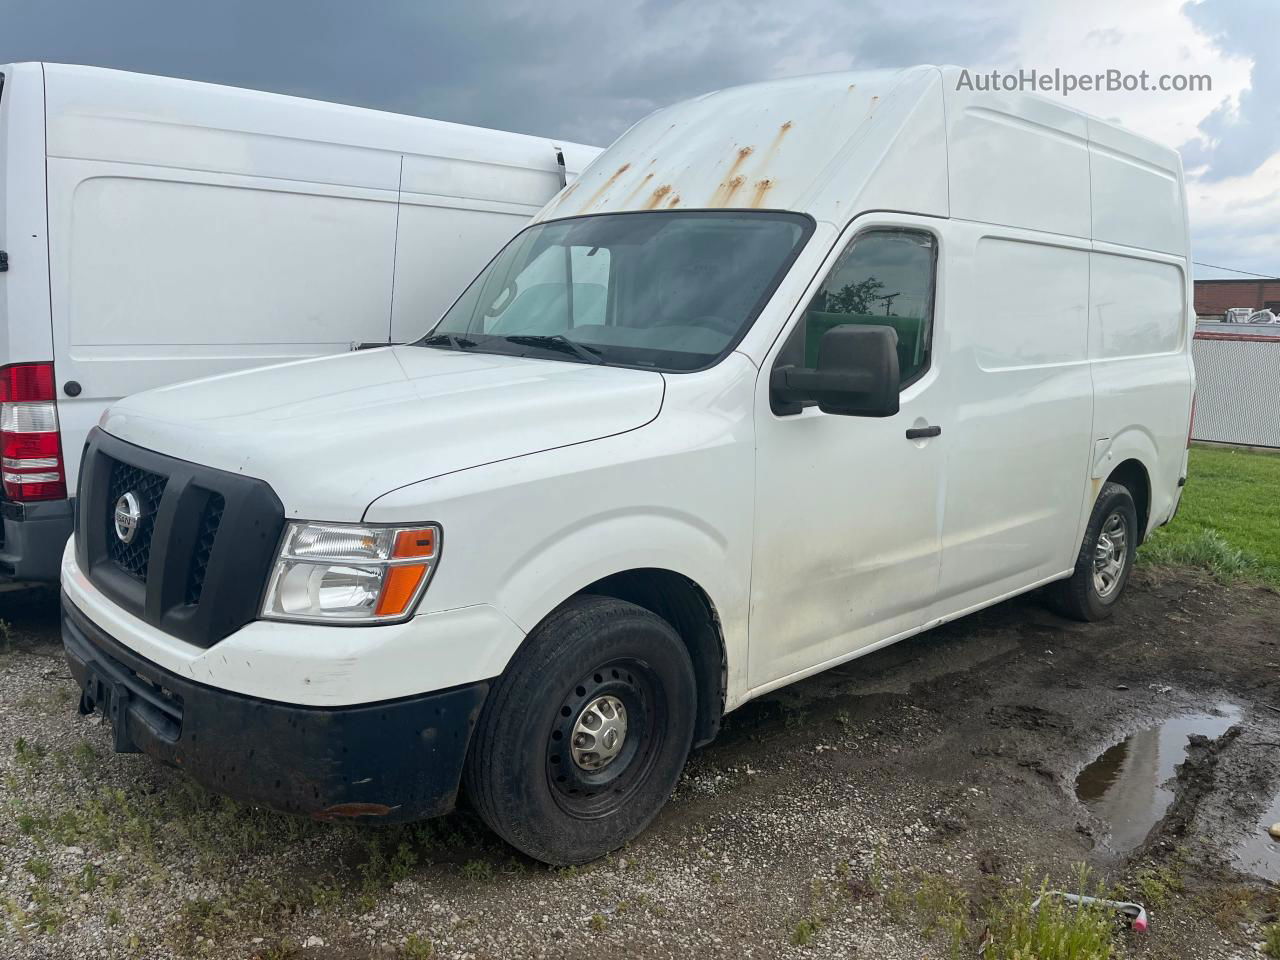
x: 1128, y: 786
x: 1259, y: 854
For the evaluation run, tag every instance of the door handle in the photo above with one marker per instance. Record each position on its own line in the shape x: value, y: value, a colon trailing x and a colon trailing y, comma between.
x: 921, y: 433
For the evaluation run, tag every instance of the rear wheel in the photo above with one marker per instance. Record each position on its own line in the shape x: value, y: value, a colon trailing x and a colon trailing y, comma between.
x: 584, y: 736
x: 1105, y: 559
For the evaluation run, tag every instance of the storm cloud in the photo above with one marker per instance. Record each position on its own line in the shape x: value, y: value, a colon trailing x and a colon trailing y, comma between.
x: 1237, y: 138
x: 582, y: 71
x: 585, y: 71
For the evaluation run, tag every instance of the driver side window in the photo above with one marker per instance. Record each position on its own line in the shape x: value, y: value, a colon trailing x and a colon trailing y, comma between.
x: 883, y: 278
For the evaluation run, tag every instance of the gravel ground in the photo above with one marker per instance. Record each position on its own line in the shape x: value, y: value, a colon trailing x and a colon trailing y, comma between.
x: 886, y: 809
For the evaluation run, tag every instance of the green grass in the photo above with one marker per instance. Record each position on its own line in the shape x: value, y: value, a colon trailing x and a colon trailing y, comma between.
x: 1229, y: 520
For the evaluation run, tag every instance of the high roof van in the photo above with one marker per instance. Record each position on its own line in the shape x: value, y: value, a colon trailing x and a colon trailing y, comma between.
x: 792, y: 371
x: 155, y: 230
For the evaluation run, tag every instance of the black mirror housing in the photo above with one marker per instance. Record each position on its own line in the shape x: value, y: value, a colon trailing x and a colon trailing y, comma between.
x: 857, y: 375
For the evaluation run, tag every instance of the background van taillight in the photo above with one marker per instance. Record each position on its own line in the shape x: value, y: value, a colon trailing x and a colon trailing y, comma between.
x: 30, y: 448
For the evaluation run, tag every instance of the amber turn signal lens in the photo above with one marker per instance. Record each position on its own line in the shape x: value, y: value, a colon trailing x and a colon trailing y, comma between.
x: 398, y: 588
x: 415, y: 543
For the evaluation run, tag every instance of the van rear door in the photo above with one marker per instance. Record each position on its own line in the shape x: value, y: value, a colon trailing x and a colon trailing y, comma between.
x: 25, y: 331
x: 35, y: 514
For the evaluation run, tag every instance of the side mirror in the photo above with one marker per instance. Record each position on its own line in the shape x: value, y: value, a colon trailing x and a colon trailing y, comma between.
x: 857, y: 375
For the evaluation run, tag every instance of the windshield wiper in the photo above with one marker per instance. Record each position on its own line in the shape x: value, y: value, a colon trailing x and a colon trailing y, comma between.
x: 447, y: 340
x: 560, y: 343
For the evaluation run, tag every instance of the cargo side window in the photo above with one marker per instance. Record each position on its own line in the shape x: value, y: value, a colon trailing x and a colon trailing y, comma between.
x: 884, y: 277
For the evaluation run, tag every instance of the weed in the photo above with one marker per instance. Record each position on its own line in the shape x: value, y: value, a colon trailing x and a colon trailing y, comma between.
x: 87, y: 881
x: 322, y: 895
x: 1056, y: 930
x: 84, y: 755
x: 380, y: 871
x: 897, y: 903
x: 48, y: 915
x: 1225, y: 905
x: 805, y: 930
x: 205, y: 916
x: 598, y: 922
x: 29, y: 754
x: 941, y: 908
x: 1271, y: 940
x: 1159, y: 885
x: 478, y: 871
x: 40, y: 869
x: 417, y: 948
x: 286, y: 949
x: 114, y: 917
x: 794, y: 719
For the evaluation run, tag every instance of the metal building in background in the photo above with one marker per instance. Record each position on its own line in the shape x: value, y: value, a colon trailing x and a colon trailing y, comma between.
x: 1237, y: 386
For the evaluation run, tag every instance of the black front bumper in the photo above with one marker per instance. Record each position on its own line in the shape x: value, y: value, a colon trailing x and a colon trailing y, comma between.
x: 34, y: 535
x: 396, y: 760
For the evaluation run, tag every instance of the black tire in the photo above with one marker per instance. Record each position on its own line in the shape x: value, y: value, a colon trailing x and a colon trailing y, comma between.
x: 1081, y: 596
x: 524, y: 774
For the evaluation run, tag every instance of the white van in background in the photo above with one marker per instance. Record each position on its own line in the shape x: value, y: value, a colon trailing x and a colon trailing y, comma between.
x: 156, y: 230
x: 791, y: 372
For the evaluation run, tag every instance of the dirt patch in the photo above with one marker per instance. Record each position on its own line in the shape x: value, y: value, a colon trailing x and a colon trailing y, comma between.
x: 858, y: 813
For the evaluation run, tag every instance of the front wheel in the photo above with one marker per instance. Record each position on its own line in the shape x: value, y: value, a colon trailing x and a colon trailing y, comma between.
x: 1105, y: 559
x: 583, y: 738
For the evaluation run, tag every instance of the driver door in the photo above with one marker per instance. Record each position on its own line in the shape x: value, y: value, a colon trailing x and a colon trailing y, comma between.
x: 847, y: 520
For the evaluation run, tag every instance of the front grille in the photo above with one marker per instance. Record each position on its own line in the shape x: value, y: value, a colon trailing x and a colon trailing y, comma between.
x: 210, y: 520
x: 133, y: 557
x: 205, y: 541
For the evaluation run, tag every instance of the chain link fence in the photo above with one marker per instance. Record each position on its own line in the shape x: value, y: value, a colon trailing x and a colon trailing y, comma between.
x: 1237, y: 388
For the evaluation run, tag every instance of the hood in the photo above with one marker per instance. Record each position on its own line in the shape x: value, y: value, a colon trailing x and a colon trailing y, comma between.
x: 332, y: 434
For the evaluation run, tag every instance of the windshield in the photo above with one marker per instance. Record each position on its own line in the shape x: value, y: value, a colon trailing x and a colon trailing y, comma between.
x: 671, y: 290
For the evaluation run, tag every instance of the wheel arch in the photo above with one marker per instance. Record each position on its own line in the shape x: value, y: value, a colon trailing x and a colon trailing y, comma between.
x: 1133, y: 475
x: 684, y: 604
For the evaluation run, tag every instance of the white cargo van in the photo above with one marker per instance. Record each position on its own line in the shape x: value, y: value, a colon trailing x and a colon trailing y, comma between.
x: 157, y: 230
x: 791, y: 372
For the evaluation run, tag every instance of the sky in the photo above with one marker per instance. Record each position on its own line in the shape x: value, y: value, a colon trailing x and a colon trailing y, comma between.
x: 586, y: 71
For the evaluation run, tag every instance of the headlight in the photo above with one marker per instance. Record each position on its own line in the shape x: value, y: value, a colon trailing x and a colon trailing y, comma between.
x: 343, y: 573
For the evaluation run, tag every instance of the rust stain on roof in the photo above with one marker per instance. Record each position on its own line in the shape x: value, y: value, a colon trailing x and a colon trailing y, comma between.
x: 762, y: 188
x: 637, y: 188
x: 658, y: 196
x: 604, y: 187
x: 732, y: 181
x: 674, y: 201
x: 568, y: 192
x: 772, y: 152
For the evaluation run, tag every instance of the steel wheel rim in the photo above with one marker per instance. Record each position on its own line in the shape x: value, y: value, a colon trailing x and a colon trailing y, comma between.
x: 590, y: 787
x: 1110, y: 555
